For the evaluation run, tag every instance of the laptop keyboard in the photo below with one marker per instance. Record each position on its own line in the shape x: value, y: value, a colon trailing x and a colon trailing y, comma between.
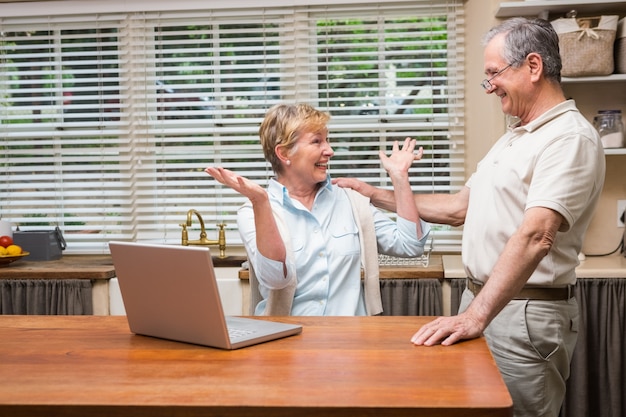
x: 235, y: 333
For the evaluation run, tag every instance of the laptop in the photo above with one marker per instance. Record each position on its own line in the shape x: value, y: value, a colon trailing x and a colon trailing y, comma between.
x: 171, y: 292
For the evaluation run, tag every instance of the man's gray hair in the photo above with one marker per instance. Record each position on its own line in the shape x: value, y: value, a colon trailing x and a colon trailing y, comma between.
x: 524, y: 36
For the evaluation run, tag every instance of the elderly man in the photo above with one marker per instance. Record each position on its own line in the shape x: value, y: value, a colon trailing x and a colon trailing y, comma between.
x: 525, y: 211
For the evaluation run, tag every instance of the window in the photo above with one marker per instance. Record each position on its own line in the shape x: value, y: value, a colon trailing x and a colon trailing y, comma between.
x: 109, y: 117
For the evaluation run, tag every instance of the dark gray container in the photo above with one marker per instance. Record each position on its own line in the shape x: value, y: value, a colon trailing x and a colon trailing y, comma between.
x: 43, y: 245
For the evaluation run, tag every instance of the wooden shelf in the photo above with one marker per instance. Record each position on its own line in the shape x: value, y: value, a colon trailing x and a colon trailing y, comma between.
x: 536, y: 7
x: 599, y: 79
x: 615, y: 151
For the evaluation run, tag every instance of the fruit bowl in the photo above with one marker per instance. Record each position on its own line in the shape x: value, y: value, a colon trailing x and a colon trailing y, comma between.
x: 7, y: 259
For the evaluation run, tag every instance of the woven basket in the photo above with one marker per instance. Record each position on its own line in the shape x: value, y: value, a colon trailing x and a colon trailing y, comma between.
x: 620, y: 47
x: 587, y: 45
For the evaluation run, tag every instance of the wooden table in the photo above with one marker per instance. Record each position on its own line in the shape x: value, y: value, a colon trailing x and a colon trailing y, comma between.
x: 338, y: 366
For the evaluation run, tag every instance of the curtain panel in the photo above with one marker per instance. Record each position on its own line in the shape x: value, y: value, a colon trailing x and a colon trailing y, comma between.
x: 411, y: 297
x: 46, y: 297
x: 598, y: 371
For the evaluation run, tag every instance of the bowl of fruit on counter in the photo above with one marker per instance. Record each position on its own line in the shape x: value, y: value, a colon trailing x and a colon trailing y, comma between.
x: 9, y: 251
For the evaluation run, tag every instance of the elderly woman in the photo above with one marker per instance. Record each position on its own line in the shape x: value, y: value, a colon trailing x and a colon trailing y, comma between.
x: 308, y: 239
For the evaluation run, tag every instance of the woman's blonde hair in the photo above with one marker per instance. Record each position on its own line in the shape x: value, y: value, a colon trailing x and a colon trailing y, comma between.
x: 283, y: 124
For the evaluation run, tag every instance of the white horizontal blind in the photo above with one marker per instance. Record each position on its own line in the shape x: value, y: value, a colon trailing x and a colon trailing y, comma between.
x: 109, y: 119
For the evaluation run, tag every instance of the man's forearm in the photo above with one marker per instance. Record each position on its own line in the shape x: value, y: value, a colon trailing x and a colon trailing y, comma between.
x: 384, y: 199
x: 433, y: 208
x: 379, y: 197
x: 522, y: 254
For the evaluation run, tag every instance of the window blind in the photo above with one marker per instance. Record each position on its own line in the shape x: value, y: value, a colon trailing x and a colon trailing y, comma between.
x: 108, y: 118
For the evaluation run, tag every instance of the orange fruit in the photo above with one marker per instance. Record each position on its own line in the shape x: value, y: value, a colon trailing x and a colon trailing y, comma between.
x: 3, y: 251
x: 13, y: 250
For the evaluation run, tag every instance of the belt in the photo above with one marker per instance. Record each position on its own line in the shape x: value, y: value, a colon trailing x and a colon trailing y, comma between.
x: 532, y: 293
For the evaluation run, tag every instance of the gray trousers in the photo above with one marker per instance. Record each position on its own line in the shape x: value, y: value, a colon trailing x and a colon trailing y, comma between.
x: 532, y: 343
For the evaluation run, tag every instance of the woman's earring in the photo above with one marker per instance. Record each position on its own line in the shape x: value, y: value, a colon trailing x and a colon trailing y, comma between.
x: 288, y: 162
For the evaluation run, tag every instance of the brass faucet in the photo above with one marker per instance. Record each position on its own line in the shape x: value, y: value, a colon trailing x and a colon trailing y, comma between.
x: 203, y: 241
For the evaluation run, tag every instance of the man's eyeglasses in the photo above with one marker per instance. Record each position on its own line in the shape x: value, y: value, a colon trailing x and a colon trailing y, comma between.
x: 486, y: 84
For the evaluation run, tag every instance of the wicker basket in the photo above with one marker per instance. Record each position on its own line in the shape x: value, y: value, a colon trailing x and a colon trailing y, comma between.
x: 620, y: 47
x: 587, y: 45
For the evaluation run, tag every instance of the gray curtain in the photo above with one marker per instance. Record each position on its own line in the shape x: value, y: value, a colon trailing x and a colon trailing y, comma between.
x: 597, y: 384
x: 457, y: 286
x: 411, y: 297
x: 46, y: 297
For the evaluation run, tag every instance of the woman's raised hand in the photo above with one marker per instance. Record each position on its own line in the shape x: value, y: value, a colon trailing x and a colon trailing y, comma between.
x: 238, y: 183
x: 401, y: 160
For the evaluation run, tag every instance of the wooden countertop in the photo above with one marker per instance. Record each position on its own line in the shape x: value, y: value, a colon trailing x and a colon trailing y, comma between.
x: 81, y: 267
x: 68, y: 267
x: 613, y: 266
x: 440, y: 267
x: 101, y: 267
x: 433, y: 270
x: 337, y: 367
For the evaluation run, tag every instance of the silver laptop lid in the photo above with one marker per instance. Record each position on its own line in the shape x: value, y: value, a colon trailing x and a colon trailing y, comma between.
x: 171, y: 292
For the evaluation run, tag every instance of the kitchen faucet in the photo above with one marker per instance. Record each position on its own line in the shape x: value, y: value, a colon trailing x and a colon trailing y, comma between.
x: 203, y: 241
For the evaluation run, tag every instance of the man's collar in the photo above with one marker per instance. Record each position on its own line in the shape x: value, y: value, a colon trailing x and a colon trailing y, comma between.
x: 559, y: 109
